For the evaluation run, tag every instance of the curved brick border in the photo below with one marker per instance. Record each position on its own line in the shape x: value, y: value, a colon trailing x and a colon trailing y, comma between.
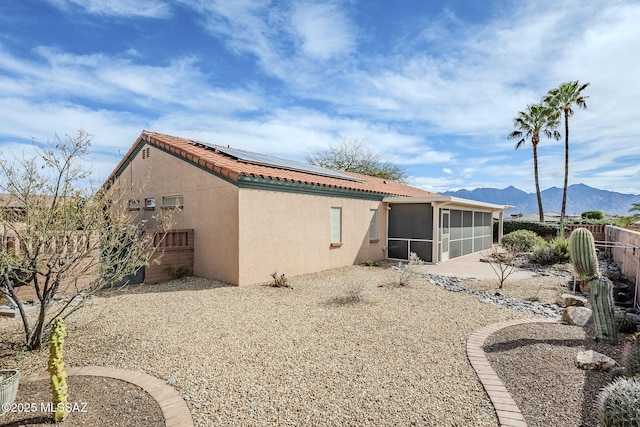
x: 174, y: 409
x: 508, y: 413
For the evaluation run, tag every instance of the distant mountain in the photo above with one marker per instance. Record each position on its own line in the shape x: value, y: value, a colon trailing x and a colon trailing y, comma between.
x: 580, y: 198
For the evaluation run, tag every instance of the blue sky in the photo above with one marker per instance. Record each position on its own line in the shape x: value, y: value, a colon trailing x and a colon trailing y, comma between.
x: 432, y: 86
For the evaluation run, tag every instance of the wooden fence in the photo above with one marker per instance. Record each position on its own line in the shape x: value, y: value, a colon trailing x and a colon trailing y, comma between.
x: 175, y: 252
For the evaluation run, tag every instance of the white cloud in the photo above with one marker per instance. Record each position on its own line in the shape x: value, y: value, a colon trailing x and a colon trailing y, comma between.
x: 124, y: 8
x: 323, y: 29
x: 448, y: 171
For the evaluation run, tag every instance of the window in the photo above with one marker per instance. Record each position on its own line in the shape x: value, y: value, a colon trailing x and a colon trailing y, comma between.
x: 134, y: 205
x: 336, y: 226
x: 172, y: 202
x: 373, y: 225
x: 150, y: 203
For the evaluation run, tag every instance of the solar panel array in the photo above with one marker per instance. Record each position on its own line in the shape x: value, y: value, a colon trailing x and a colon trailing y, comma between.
x: 265, y: 160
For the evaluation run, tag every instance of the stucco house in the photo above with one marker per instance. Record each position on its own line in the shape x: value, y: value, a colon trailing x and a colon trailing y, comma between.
x: 253, y: 214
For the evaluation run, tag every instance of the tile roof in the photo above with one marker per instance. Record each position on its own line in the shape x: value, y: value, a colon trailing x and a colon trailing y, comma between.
x: 209, y: 158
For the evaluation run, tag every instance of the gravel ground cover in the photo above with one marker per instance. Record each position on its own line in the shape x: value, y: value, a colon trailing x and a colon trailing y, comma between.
x: 258, y: 355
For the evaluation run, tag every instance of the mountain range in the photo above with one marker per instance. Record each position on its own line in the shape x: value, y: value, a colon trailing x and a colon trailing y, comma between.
x: 580, y: 198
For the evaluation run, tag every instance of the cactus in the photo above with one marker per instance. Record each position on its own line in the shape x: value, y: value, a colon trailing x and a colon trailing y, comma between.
x: 632, y: 355
x: 625, y: 324
x: 583, y: 257
x: 620, y: 403
x: 56, y: 370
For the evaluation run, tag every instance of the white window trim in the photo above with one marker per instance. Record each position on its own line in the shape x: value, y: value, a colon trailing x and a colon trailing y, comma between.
x: 373, y: 225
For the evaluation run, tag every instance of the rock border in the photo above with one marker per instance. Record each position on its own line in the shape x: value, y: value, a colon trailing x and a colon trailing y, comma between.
x: 508, y: 412
x: 174, y: 408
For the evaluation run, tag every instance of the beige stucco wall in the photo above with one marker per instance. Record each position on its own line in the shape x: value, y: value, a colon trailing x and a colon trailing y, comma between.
x: 291, y: 233
x: 627, y: 255
x: 210, y: 208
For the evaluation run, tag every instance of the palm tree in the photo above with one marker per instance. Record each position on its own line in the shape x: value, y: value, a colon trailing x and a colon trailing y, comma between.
x: 562, y: 99
x: 538, y: 118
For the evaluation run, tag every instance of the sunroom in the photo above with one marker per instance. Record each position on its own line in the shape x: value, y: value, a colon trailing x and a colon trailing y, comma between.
x: 439, y: 228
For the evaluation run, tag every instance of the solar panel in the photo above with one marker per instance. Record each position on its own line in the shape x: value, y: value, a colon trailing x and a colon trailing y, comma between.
x: 265, y: 160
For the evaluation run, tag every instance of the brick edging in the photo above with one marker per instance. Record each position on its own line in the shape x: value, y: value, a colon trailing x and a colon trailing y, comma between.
x: 174, y: 409
x: 508, y: 413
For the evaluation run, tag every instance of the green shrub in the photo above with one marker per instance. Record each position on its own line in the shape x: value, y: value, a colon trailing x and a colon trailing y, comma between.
x: 592, y: 215
x: 373, y: 263
x: 540, y: 228
x: 620, y: 403
x: 543, y: 254
x: 525, y: 240
x: 560, y: 247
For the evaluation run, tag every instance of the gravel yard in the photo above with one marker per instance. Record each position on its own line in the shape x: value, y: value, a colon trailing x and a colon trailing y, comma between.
x: 342, y: 347
x: 258, y: 355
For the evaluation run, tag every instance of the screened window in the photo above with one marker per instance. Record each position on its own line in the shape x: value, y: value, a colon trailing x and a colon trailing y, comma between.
x: 336, y: 225
x: 172, y: 201
x: 150, y: 203
x: 134, y: 205
x: 373, y: 224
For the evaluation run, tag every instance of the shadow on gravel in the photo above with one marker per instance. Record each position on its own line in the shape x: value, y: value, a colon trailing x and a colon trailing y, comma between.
x: 184, y: 284
x: 510, y: 345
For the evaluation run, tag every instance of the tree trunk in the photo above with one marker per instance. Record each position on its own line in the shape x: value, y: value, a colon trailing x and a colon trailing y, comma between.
x: 35, y: 340
x: 535, y: 174
x: 566, y: 173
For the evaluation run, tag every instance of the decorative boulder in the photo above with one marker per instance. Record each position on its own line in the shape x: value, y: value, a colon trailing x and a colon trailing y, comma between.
x: 577, y: 316
x: 592, y: 360
x: 568, y: 300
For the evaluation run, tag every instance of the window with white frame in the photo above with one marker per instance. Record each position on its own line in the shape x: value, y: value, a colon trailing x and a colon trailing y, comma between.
x: 150, y: 203
x: 373, y: 224
x: 172, y: 202
x: 336, y: 226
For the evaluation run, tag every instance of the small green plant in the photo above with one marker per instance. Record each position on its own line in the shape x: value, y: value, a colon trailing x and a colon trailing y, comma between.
x: 632, y: 355
x: 543, y: 254
x: 625, y: 324
x: 57, y: 374
x: 560, y: 247
x: 373, y: 263
x: 279, y: 281
x: 620, y: 403
x: 178, y: 272
x: 525, y: 240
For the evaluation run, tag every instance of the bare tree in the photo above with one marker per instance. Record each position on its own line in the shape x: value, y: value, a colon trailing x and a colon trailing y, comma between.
x: 502, y: 261
x: 351, y: 155
x: 60, y: 240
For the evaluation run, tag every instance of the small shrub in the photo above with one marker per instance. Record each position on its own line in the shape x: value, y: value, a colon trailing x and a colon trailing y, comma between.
x: 407, y: 270
x: 279, y: 281
x: 620, y: 403
x: 592, y: 215
x: 560, y: 247
x: 373, y: 263
x: 543, y: 254
x: 625, y: 324
x: 179, y: 272
x: 526, y: 240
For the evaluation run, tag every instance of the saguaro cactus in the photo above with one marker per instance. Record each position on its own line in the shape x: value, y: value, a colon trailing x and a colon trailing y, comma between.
x: 583, y: 257
x: 56, y: 370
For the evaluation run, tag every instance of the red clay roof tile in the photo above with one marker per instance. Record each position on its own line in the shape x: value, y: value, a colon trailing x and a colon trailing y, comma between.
x: 212, y: 159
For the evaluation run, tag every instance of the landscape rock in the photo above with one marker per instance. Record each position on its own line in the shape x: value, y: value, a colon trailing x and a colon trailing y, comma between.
x: 569, y: 300
x: 577, y: 316
x: 592, y: 360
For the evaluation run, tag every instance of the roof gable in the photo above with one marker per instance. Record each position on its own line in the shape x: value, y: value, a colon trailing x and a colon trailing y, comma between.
x: 282, y: 175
